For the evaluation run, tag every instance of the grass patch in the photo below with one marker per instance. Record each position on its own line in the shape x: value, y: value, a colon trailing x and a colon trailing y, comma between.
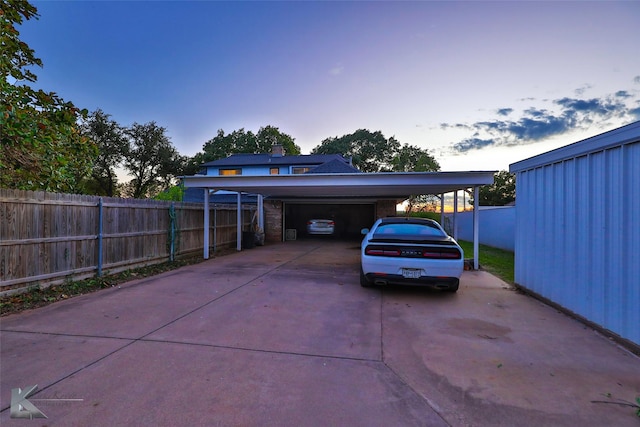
x: 496, y: 261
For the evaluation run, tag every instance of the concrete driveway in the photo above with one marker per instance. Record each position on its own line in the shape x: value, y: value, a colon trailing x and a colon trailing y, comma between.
x: 283, y: 335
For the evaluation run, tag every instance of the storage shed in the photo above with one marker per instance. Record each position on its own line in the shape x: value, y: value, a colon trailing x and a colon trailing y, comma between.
x: 578, y: 229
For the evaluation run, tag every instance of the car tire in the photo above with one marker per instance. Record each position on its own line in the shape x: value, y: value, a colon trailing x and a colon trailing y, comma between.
x: 454, y: 287
x: 363, y: 280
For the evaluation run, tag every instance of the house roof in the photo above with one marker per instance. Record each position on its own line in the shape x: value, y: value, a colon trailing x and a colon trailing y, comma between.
x: 334, y: 166
x: 270, y: 159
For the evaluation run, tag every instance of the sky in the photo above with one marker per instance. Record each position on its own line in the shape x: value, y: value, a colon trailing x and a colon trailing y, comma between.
x: 479, y: 84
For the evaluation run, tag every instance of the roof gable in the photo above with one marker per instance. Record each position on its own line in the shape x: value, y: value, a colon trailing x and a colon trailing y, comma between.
x: 334, y: 166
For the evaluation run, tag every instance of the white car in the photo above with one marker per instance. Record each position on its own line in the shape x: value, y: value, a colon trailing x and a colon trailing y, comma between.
x: 321, y: 226
x: 410, y: 251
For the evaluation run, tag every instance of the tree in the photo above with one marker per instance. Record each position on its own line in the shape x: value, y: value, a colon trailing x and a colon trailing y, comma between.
x: 410, y: 158
x: 240, y: 141
x: 172, y: 194
x: 40, y: 145
x: 113, y: 147
x: 152, y: 160
x: 370, y: 151
x: 501, y: 192
x: 269, y: 135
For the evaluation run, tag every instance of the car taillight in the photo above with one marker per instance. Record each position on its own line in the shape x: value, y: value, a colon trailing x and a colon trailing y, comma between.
x: 332, y: 223
x: 382, y: 252
x: 441, y: 254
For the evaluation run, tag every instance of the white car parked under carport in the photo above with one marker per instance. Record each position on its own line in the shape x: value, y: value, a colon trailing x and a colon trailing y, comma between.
x: 410, y: 251
x: 321, y: 226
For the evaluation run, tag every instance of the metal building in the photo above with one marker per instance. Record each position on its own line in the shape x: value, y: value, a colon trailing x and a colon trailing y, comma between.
x: 578, y: 228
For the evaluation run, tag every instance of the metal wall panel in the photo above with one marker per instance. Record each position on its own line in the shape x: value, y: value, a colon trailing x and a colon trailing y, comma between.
x: 578, y: 235
x: 497, y: 226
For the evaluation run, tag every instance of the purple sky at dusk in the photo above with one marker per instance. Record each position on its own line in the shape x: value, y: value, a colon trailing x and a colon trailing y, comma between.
x: 481, y: 84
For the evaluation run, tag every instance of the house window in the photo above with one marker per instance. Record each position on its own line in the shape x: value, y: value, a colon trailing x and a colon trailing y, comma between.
x: 236, y: 171
x: 299, y: 170
x: 274, y: 171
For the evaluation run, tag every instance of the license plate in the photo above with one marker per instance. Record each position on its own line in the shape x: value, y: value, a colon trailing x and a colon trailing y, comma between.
x: 411, y: 273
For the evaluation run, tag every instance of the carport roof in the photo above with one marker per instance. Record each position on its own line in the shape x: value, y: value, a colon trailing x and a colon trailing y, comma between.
x: 385, y: 185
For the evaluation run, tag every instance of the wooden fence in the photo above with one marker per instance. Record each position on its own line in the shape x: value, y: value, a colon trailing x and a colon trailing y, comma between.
x: 47, y: 238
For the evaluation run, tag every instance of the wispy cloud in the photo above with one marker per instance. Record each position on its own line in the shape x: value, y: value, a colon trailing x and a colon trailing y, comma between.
x: 337, y: 70
x: 537, y: 124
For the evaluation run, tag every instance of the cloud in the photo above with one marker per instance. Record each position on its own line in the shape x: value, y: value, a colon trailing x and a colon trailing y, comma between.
x: 591, y: 106
x: 636, y: 79
x: 337, y: 70
x: 581, y: 90
x: 472, y: 144
x: 537, y: 124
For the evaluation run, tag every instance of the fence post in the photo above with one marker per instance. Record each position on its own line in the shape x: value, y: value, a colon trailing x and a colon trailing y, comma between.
x: 172, y: 232
x: 99, y: 237
x: 215, y: 228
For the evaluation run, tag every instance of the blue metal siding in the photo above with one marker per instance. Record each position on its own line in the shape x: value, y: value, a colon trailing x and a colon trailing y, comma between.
x: 497, y: 226
x: 578, y: 235
x: 631, y: 230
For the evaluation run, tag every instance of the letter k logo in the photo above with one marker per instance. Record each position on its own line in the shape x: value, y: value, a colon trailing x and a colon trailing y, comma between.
x: 21, y: 407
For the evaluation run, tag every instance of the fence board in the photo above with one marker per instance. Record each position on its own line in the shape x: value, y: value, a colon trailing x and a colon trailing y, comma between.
x: 46, y: 238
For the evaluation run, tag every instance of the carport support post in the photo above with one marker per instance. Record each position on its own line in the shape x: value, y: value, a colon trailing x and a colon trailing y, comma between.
x: 476, y: 227
x: 239, y: 223
x: 455, y: 214
x: 261, y: 213
x: 442, y: 210
x: 205, y: 254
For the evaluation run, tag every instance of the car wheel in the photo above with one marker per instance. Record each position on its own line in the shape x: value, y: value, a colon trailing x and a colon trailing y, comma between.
x: 363, y: 280
x: 454, y: 287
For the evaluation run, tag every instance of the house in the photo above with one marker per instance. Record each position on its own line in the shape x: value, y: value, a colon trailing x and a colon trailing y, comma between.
x: 274, y: 163
x: 350, y: 218
x: 291, y: 190
x: 277, y: 163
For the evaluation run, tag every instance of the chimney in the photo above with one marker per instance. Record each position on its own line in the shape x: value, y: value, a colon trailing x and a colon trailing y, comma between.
x: 277, y: 150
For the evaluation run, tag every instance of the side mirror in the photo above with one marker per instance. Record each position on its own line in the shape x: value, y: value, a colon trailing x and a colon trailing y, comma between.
x: 364, y: 231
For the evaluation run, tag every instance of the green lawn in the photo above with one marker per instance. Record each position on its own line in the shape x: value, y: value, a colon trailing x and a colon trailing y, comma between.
x: 494, y: 260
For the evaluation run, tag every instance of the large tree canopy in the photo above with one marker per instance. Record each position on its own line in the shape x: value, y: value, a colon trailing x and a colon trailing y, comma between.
x: 501, y: 192
x: 410, y: 158
x: 152, y: 160
x: 372, y: 152
x: 40, y: 145
x: 113, y: 147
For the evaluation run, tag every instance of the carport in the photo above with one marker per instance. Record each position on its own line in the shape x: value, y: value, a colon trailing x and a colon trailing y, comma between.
x: 340, y: 186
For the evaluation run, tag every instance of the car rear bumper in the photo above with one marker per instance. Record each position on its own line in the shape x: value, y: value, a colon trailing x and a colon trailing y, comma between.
x: 320, y: 231
x: 430, y: 268
x: 426, y: 281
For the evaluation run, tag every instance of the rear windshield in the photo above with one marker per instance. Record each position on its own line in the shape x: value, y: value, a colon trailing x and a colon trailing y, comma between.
x: 409, y: 229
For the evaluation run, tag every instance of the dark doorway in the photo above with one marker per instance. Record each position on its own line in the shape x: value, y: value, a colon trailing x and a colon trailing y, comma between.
x: 349, y: 218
